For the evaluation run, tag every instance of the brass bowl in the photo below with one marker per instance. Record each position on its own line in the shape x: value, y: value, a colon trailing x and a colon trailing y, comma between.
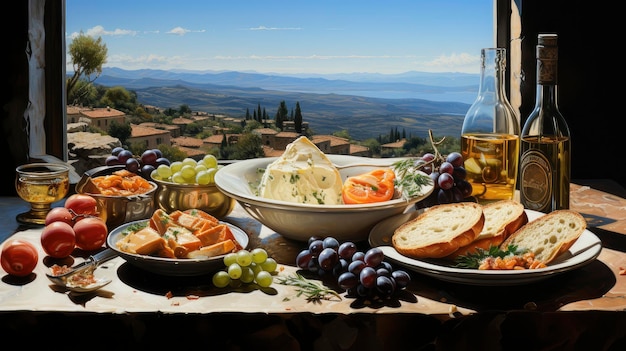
x: 117, y: 210
x: 208, y: 198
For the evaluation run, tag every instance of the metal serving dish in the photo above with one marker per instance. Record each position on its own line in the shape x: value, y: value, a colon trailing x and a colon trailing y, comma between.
x: 208, y: 198
x: 117, y: 210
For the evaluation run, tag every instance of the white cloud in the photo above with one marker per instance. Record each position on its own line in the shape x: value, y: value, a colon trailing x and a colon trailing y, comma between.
x: 183, y: 31
x: 179, y: 31
x: 273, y: 28
x: 99, y: 31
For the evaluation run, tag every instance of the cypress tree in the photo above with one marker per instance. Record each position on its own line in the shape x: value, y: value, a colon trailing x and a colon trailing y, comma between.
x: 297, y: 119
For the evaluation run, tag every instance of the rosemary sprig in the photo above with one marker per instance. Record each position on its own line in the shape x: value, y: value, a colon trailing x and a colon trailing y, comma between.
x: 314, y: 292
x: 473, y: 260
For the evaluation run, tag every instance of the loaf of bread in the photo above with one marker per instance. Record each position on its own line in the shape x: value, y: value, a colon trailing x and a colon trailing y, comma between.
x: 502, y: 218
x: 548, y: 236
x: 440, y: 230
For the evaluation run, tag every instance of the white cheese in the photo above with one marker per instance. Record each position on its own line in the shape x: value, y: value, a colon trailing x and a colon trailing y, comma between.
x: 303, y: 174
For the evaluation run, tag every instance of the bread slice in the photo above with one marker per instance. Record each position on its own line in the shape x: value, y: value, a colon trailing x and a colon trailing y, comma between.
x: 502, y: 218
x: 548, y: 236
x: 440, y: 230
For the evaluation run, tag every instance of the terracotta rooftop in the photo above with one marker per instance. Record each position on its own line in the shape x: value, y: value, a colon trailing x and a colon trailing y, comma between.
x: 357, y: 148
x: 334, y: 140
x: 158, y: 125
x: 214, y: 139
x: 139, y: 131
x: 191, y: 152
x: 181, y: 120
x: 102, y: 112
x: 397, y: 145
x: 74, y: 110
x: 287, y: 135
x: 186, y: 141
x: 263, y: 131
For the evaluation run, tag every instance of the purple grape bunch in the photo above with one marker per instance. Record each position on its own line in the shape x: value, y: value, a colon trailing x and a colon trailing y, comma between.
x: 360, y: 274
x: 449, y: 179
x: 144, y: 165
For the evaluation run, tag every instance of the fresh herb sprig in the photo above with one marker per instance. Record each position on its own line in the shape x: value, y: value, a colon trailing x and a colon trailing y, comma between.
x: 314, y: 292
x: 409, y: 178
x: 473, y: 260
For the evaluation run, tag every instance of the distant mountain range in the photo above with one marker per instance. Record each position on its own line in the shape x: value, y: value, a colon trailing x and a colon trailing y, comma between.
x: 366, y: 105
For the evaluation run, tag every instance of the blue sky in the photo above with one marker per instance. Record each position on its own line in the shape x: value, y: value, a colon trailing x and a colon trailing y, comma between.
x: 288, y: 37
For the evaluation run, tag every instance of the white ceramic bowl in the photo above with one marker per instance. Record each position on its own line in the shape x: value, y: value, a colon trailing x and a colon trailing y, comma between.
x: 301, y: 221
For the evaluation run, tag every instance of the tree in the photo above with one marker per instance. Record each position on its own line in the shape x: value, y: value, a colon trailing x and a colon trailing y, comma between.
x: 373, y: 145
x: 258, y: 113
x: 297, y: 119
x: 117, y: 97
x: 87, y: 55
x: 342, y: 134
x: 281, y: 114
x: 142, y: 113
x: 120, y: 131
x: 172, y: 153
x: 248, y: 146
x: 84, y: 94
x: 184, y: 109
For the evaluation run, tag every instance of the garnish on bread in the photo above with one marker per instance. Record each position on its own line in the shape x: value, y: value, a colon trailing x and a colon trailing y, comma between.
x: 550, y: 235
x: 502, y: 218
x: 535, y: 244
x: 440, y: 230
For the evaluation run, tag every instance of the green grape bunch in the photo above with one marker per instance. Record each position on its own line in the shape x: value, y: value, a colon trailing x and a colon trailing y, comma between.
x: 188, y: 171
x: 246, y: 267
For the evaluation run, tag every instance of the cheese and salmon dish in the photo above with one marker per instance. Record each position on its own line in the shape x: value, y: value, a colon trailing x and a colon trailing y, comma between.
x: 303, y: 174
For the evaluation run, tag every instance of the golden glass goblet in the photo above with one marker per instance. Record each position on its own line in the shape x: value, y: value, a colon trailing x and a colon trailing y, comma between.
x: 40, y: 184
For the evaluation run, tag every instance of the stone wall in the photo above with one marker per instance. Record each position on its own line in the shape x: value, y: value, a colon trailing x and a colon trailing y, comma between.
x: 88, y: 150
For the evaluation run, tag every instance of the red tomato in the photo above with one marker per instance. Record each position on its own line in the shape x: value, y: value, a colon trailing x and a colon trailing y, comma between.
x: 18, y: 257
x: 58, y: 239
x: 91, y: 233
x: 375, y: 186
x: 59, y: 214
x: 82, y: 204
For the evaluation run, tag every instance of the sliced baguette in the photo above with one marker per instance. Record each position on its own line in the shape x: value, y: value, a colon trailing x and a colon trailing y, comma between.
x: 439, y: 231
x: 548, y: 236
x: 502, y: 218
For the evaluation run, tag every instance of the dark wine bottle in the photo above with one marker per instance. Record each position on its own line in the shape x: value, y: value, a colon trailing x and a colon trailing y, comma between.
x: 545, y: 154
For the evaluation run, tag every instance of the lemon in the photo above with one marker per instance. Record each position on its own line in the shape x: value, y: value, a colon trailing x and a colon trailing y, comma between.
x: 472, y: 166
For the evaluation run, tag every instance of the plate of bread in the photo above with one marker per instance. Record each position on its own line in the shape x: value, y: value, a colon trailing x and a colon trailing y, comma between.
x: 507, y: 244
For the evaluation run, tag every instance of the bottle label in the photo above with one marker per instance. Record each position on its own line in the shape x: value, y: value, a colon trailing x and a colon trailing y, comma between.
x: 536, y: 181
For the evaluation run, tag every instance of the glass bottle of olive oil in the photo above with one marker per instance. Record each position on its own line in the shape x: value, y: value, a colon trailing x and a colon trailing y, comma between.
x: 490, y: 134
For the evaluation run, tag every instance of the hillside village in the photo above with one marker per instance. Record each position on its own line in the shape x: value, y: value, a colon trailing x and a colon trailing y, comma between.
x: 154, y: 134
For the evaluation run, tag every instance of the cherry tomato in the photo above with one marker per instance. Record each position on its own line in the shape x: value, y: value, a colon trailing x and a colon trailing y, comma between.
x: 58, y: 239
x: 374, y: 186
x: 59, y: 214
x: 82, y: 204
x: 19, y: 257
x: 91, y: 233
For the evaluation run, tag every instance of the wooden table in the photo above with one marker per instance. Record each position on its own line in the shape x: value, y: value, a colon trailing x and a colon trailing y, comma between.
x: 583, y: 307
